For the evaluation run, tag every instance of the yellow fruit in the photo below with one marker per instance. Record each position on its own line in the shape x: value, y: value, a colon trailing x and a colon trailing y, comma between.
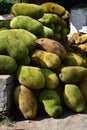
x: 51, y: 7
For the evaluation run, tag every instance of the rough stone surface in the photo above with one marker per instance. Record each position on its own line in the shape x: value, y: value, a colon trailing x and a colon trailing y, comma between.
x: 68, y: 121
x: 6, y: 89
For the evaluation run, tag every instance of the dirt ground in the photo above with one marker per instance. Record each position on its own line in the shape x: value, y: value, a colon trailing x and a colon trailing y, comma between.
x: 68, y: 121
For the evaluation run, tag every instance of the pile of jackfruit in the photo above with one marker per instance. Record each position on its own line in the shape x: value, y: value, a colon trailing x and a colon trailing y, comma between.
x: 51, y: 19
x: 78, y: 42
x: 48, y: 76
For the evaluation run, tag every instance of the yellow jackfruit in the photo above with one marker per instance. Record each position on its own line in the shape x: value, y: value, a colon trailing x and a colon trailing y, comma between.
x: 51, y: 7
x: 45, y: 59
x: 53, y: 46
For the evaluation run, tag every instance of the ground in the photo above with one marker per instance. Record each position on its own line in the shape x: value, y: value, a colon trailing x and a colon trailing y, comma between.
x: 68, y: 121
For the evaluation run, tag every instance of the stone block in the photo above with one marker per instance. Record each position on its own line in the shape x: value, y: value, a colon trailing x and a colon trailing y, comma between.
x: 7, y: 84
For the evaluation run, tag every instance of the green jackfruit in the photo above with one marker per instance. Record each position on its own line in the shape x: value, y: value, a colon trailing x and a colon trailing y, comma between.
x: 45, y: 59
x: 51, y: 101
x: 73, y: 74
x: 58, y: 28
x: 27, y: 9
x: 3, y: 42
x: 8, y: 65
x: 25, y: 101
x: 55, y: 18
x: 46, y: 20
x: 60, y: 90
x: 31, y: 77
x: 83, y: 88
x: 27, y: 37
x: 63, y: 23
x: 5, y: 24
x: 47, y: 32
x: 74, y: 98
x: 27, y: 23
x: 64, y: 32
x: 26, y: 61
x: 57, y: 36
x: 74, y: 59
x: 16, y: 48
x: 51, y: 7
x: 51, y: 79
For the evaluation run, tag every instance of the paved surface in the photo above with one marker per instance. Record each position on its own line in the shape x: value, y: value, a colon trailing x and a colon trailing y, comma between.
x: 68, y: 121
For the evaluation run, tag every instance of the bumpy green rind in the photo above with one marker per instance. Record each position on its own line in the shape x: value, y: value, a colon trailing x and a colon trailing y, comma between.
x: 27, y: 23
x: 8, y: 65
x: 31, y: 77
x: 74, y: 98
x: 73, y: 74
x: 27, y: 9
x: 51, y: 79
x: 51, y: 7
x: 51, y: 101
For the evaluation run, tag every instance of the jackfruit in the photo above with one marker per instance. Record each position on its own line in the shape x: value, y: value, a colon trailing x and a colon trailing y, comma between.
x: 45, y: 59
x: 83, y: 88
x: 16, y: 48
x: 74, y: 98
x: 73, y: 74
x: 27, y: 23
x: 51, y: 79
x: 74, y: 59
x: 8, y: 65
x: 25, y: 101
x: 51, y: 102
x: 27, y: 9
x: 51, y: 7
x: 47, y: 32
x: 46, y: 20
x: 26, y: 61
x: 31, y: 77
x: 81, y: 39
x: 53, y: 46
